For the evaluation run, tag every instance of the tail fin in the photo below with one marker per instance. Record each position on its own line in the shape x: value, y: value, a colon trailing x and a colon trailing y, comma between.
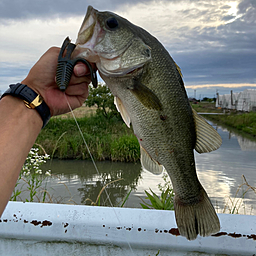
x: 197, y: 218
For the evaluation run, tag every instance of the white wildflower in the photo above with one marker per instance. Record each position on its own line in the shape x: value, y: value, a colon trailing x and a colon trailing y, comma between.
x: 39, y: 171
x: 48, y: 173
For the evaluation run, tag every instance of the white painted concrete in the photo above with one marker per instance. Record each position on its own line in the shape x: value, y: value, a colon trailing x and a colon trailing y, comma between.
x: 55, y: 229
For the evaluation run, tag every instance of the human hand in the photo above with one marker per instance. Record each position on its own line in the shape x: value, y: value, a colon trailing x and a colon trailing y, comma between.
x: 41, y: 79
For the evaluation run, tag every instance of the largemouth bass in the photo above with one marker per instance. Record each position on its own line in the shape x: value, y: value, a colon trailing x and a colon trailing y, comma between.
x: 150, y: 94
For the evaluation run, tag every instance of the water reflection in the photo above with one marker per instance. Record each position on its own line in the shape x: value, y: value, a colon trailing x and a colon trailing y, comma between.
x: 220, y: 173
x: 78, y: 181
x: 120, y: 179
x: 246, y: 144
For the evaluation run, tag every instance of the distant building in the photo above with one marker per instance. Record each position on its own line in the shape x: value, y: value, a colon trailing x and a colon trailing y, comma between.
x: 242, y: 101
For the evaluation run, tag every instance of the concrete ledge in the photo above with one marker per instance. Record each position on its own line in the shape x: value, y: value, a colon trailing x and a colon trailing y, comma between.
x: 55, y: 229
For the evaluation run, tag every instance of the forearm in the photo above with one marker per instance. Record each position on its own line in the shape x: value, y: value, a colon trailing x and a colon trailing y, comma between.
x: 19, y: 128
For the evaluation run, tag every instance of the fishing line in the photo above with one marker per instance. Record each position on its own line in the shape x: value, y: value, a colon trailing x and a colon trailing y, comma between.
x: 97, y: 170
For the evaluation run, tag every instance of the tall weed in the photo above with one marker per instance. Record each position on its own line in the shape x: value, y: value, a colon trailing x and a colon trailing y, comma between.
x: 104, y: 136
x: 236, y: 204
x: 125, y: 148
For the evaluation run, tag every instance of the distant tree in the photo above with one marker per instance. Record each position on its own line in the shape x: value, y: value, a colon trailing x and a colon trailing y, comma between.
x: 209, y: 99
x: 102, y: 98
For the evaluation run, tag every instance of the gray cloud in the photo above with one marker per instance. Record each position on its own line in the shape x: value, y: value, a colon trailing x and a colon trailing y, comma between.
x: 45, y: 9
x: 223, y: 54
x: 217, y: 67
x: 206, y: 54
x: 27, y: 9
x: 247, y: 6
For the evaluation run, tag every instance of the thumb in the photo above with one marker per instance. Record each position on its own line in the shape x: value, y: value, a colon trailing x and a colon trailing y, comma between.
x: 81, y: 69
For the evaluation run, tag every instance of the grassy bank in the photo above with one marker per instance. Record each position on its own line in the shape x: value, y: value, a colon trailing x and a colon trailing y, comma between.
x: 106, y: 139
x: 111, y: 139
x: 206, y: 107
x: 245, y: 122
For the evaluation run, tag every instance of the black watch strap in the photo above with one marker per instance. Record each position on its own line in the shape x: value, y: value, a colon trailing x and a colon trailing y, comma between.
x: 31, y: 100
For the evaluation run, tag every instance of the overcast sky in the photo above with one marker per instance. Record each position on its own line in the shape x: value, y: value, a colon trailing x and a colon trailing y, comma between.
x: 213, y: 41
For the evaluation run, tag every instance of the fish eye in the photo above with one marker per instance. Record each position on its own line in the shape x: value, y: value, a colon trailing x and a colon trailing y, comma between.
x: 112, y: 23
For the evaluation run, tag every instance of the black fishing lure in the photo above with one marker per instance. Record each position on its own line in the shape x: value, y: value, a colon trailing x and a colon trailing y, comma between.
x: 66, y: 65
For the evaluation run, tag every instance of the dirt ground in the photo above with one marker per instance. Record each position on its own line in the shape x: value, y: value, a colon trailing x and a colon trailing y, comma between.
x: 81, y: 112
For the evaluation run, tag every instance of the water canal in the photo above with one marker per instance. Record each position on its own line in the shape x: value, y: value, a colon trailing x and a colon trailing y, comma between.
x: 220, y: 172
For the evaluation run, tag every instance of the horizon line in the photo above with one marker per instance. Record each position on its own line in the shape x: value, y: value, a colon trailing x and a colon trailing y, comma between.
x: 228, y: 85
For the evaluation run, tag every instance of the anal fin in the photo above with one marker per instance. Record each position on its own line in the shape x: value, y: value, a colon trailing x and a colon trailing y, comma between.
x: 149, y: 163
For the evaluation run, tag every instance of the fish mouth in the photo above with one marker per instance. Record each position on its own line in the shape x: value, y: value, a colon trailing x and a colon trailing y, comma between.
x: 91, y: 39
x: 90, y: 35
x: 86, y: 31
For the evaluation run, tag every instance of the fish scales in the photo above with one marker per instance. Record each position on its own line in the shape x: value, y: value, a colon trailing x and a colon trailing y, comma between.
x: 150, y: 94
x: 174, y: 137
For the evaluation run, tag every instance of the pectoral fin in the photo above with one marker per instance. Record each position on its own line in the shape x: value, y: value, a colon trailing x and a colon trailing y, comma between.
x: 120, y: 107
x: 208, y: 138
x: 149, y: 163
x: 146, y: 96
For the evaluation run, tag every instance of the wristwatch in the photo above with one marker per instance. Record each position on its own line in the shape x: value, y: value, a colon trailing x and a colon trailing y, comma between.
x: 31, y: 99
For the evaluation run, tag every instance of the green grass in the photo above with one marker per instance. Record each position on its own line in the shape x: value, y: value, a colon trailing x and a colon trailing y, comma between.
x: 111, y: 139
x: 206, y: 107
x: 107, y: 139
x: 164, y: 202
x: 125, y: 148
x: 245, y: 122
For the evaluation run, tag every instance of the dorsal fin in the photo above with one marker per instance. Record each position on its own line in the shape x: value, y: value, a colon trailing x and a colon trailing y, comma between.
x: 149, y: 163
x: 120, y: 107
x: 179, y: 69
x: 207, y: 138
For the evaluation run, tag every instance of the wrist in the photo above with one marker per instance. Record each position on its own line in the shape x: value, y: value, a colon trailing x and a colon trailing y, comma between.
x: 15, y: 108
x: 31, y: 99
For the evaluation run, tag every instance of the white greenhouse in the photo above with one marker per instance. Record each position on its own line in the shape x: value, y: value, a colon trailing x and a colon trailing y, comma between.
x: 241, y: 101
